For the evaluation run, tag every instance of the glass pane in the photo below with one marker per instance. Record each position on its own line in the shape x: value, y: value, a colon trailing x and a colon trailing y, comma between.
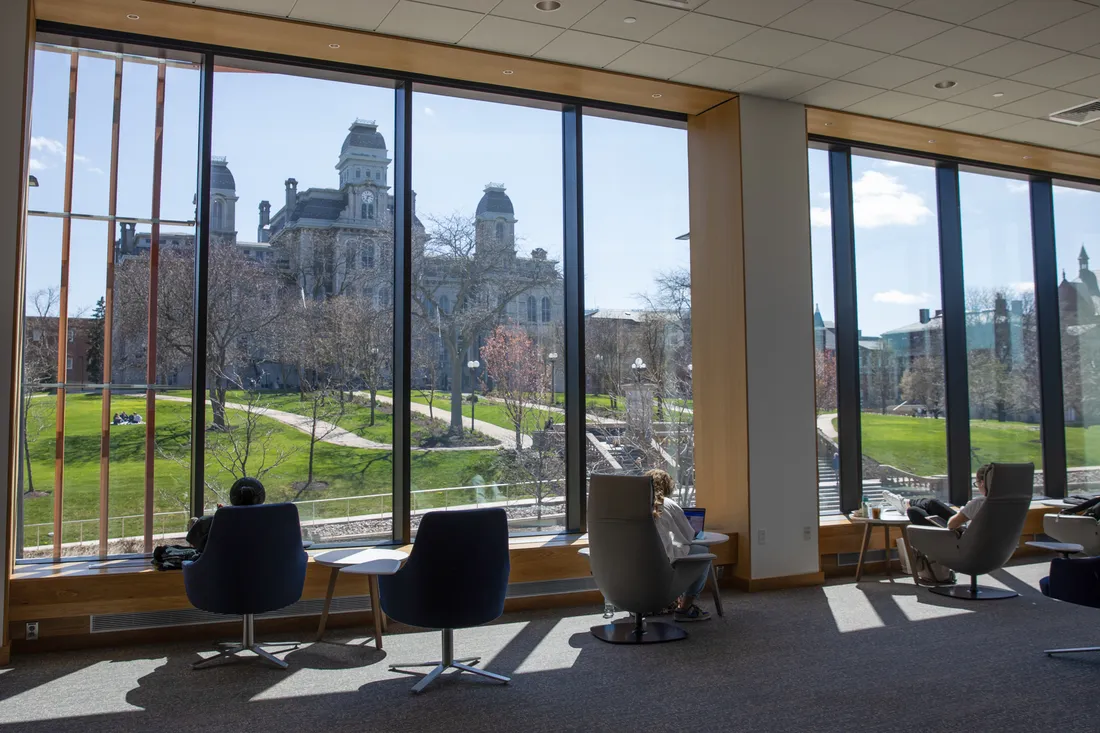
x: 488, y: 362
x: 638, y: 301
x: 901, y: 329
x: 1077, y: 231
x: 300, y: 298
x: 1001, y: 336
x: 821, y: 252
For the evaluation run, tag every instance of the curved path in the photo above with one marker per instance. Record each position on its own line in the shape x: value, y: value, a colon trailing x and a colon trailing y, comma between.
x: 506, y: 436
x: 825, y: 424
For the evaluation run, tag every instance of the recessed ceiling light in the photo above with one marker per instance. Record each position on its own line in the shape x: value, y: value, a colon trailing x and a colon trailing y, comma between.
x: 547, y: 6
x: 946, y: 84
x: 334, y: 45
x: 828, y: 124
x: 931, y: 141
x: 658, y: 95
x: 133, y: 16
x: 1027, y: 157
x: 508, y: 72
x: 630, y: 19
x: 998, y: 94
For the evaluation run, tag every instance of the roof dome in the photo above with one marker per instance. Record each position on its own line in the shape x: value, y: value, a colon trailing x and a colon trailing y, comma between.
x: 220, y: 175
x: 363, y: 134
x: 495, y: 201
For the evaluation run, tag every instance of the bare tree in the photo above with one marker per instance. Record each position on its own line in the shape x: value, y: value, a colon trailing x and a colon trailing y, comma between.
x: 825, y: 379
x: 923, y: 383
x: 39, y: 369
x: 513, y: 365
x: 427, y: 342
x: 881, y: 375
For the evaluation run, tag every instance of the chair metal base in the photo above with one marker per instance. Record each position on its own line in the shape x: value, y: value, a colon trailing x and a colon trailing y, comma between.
x: 973, y: 592
x: 248, y: 643
x: 448, y: 662
x: 1077, y: 650
x: 639, y: 632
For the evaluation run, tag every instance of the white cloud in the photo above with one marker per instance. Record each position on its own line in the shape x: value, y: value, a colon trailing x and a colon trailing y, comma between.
x: 49, y: 145
x: 37, y: 165
x: 97, y: 171
x: 881, y: 200
x: 896, y: 297
x: 1017, y: 186
x: 893, y: 164
x: 81, y: 158
x: 429, y: 112
x: 820, y: 216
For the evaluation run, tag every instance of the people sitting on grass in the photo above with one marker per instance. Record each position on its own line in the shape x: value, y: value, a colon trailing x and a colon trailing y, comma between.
x: 934, y: 513
x: 122, y: 418
x: 677, y: 536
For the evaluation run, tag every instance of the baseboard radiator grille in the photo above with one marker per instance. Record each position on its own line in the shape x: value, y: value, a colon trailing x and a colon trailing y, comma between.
x: 844, y: 559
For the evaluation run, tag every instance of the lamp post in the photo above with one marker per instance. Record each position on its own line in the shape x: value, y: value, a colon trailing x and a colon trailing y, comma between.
x: 637, y: 368
x: 472, y: 365
x: 553, y: 357
x: 691, y: 385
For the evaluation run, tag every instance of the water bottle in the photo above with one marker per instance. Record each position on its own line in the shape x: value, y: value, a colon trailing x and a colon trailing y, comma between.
x: 608, y: 609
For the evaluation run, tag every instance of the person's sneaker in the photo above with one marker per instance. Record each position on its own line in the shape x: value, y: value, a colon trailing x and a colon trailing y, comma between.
x: 692, y: 614
x: 900, y: 504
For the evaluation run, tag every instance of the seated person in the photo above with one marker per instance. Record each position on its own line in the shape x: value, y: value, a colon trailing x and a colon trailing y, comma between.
x: 116, y: 420
x: 922, y: 511
x: 677, y: 535
x: 135, y: 419
x: 245, y: 491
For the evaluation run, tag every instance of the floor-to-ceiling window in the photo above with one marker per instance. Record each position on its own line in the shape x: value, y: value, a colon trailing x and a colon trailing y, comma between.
x: 488, y: 367
x: 901, y: 328
x: 637, y: 300
x: 1001, y: 327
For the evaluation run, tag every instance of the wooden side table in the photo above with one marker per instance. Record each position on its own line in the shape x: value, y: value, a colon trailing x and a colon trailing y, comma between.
x: 369, y: 562
x: 886, y: 520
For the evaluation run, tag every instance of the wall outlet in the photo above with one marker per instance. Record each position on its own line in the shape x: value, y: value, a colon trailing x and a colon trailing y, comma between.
x: 806, y: 535
x: 32, y: 631
x: 760, y: 537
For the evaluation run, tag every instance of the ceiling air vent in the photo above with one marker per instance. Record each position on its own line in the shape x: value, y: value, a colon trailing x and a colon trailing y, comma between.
x: 1082, y: 114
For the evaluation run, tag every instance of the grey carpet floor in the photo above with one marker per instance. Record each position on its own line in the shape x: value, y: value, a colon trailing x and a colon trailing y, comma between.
x: 880, y: 656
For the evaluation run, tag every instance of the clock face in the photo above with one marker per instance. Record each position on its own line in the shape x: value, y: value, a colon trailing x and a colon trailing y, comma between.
x: 367, y: 196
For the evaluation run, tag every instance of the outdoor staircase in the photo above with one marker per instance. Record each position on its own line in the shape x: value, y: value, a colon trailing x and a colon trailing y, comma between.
x: 828, y: 489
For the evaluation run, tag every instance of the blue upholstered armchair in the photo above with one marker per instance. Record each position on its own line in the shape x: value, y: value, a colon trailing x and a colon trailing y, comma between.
x: 455, y: 577
x: 253, y: 563
x: 1074, y: 580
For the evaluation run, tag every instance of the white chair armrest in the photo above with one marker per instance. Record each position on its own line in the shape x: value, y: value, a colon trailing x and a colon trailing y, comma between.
x: 694, y: 558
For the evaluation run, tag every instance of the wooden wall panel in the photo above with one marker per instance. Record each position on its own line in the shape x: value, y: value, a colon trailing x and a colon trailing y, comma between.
x: 305, y: 40
x: 718, y: 327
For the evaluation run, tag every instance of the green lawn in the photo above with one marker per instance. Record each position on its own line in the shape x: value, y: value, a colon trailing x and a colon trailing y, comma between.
x: 919, y: 445
x: 343, y: 471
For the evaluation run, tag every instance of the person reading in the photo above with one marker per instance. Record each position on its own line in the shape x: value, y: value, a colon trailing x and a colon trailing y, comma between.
x: 935, y: 513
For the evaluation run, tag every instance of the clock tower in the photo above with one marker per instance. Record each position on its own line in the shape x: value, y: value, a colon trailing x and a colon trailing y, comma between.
x: 364, y: 172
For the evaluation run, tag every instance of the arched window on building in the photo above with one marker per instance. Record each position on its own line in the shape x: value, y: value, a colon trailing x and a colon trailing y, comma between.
x: 370, y: 210
x: 532, y: 313
x: 445, y: 304
x: 545, y: 310
x: 217, y: 213
x: 500, y: 230
x: 384, y: 297
x: 363, y: 211
x: 368, y: 256
x: 357, y: 172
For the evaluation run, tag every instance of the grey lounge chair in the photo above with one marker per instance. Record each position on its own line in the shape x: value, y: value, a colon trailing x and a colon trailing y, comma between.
x: 1076, y: 530
x: 629, y: 561
x: 989, y: 541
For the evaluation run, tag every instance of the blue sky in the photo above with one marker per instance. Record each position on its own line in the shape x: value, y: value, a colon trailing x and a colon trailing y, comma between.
x: 897, y: 249
x: 273, y: 127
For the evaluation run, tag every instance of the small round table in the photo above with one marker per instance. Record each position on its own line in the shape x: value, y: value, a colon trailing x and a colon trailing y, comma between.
x: 886, y: 520
x: 1066, y: 548
x: 706, y: 540
x: 369, y: 562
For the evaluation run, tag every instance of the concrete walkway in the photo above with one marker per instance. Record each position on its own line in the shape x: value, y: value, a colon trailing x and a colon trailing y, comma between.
x: 506, y: 436
x: 825, y: 425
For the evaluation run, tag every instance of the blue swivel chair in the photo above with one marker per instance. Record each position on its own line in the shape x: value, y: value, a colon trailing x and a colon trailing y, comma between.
x: 456, y: 577
x: 253, y: 563
x: 1073, y: 580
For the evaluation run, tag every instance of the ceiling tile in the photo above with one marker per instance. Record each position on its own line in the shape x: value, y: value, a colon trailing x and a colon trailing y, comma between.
x: 890, y: 104
x: 836, y: 95
x: 720, y: 73
x: 348, y: 13
x: 891, y: 72
x: 964, y: 82
x: 509, y: 36
x: 781, y: 84
x: 894, y: 31
x: 585, y: 49
x: 953, y: 11
x: 1092, y: 51
x: 833, y: 60
x: 760, y: 12
x: 938, y: 113
x: 1011, y: 59
x: 1053, y: 134
x: 702, y: 33
x: 1044, y: 103
x: 1024, y: 17
x: 1010, y: 91
x: 955, y: 45
x: 474, y: 6
x: 1071, y: 35
x: 986, y: 122
x: 569, y: 13
x: 607, y: 19
x: 1089, y: 87
x: 655, y: 61
x: 1061, y: 71
x: 435, y: 23
x: 887, y: 3
x: 263, y: 7
x: 828, y: 18
x: 770, y: 47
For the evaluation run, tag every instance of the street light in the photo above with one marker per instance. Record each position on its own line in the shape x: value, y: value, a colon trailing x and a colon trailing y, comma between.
x: 552, y: 356
x: 472, y: 365
x: 637, y: 368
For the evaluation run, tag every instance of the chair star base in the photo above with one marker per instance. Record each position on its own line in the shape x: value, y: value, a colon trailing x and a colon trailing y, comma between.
x: 448, y: 662
x: 1077, y: 650
x: 248, y: 643
x: 639, y: 632
x: 973, y: 591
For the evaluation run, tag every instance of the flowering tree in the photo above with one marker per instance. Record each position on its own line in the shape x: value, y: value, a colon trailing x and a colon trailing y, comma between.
x: 512, y: 363
x: 825, y: 377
